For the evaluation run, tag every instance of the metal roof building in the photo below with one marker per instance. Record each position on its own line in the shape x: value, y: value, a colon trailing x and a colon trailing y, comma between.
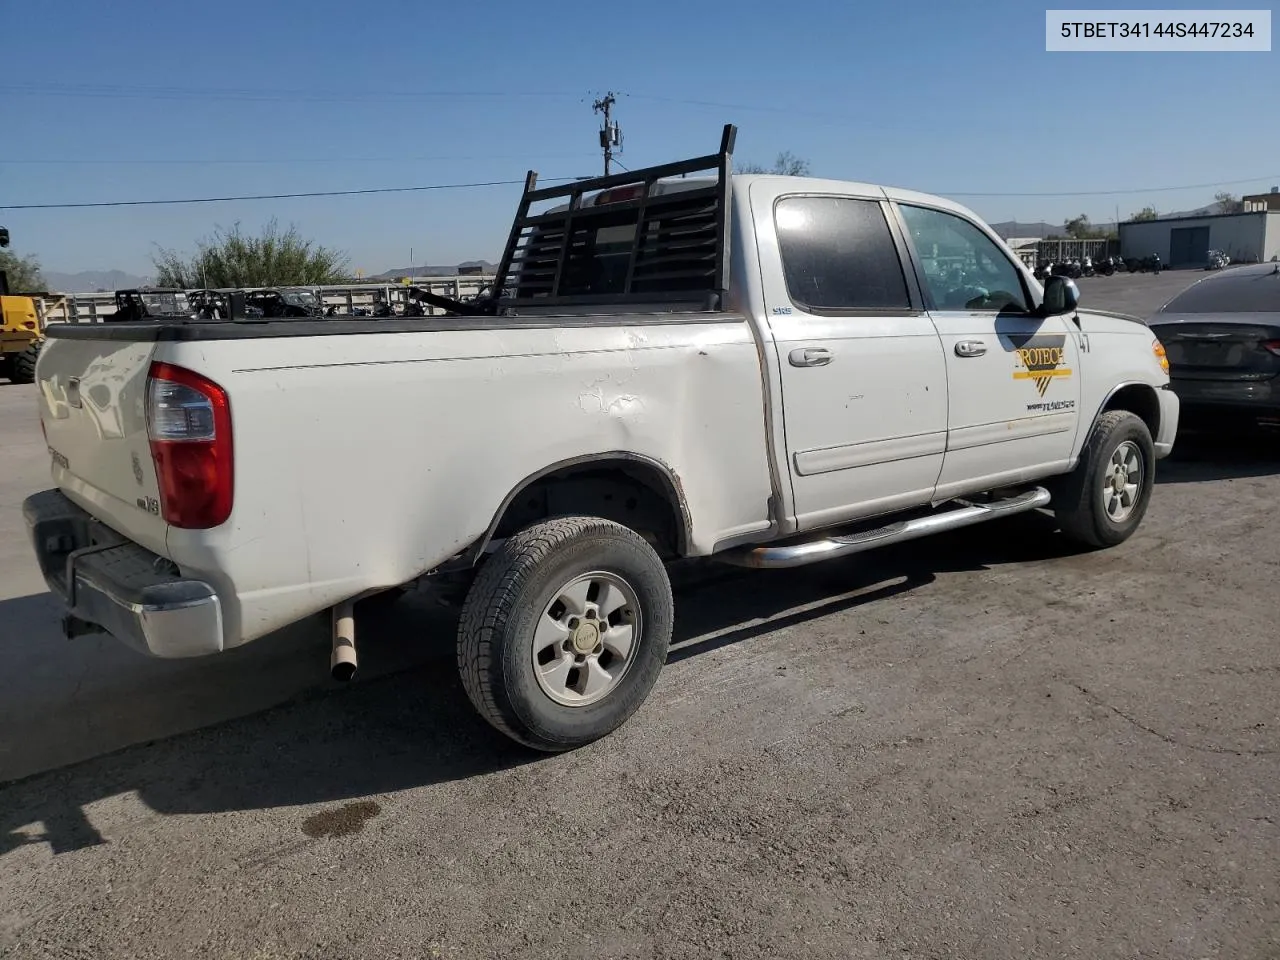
x: 1186, y: 241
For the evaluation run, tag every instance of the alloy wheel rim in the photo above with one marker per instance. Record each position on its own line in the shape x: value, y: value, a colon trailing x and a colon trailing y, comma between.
x: 586, y: 638
x: 1122, y: 480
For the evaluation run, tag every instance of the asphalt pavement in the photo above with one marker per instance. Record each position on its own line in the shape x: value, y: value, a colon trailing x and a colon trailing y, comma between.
x: 985, y: 745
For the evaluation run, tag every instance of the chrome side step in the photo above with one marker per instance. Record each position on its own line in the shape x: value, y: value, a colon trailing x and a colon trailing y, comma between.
x: 812, y: 551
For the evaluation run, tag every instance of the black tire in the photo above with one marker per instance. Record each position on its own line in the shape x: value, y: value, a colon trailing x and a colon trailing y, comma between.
x: 1078, y: 500
x: 24, y: 364
x: 512, y: 591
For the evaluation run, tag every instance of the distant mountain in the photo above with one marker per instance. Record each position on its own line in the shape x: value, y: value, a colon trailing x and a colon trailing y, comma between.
x: 87, y: 281
x: 484, y: 266
x: 1022, y: 229
x: 1038, y: 228
x: 1204, y: 211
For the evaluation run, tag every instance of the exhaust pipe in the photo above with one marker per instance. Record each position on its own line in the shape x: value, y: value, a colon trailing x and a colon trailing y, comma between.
x: 342, y: 665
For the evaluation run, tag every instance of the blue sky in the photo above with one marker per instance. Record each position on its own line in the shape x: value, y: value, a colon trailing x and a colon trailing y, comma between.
x: 242, y: 98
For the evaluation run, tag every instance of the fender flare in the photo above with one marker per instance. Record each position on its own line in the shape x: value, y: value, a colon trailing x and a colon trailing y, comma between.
x: 1122, y: 385
x: 673, y: 490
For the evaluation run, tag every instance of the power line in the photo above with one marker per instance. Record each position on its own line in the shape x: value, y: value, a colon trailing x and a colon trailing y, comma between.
x: 125, y: 91
x: 145, y: 161
x: 131, y: 91
x: 1115, y: 193
x: 505, y: 183
x: 275, y: 196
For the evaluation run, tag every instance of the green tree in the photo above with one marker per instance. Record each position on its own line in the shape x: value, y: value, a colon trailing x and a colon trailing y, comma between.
x: 787, y: 164
x: 1146, y: 213
x: 23, y: 272
x: 1078, y: 228
x: 1228, y: 203
x: 230, y: 258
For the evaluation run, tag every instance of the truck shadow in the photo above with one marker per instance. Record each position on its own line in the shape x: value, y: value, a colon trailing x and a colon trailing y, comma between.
x: 1224, y: 452
x: 416, y: 728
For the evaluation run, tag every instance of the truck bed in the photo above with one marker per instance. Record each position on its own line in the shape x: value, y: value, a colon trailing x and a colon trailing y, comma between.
x: 175, y: 331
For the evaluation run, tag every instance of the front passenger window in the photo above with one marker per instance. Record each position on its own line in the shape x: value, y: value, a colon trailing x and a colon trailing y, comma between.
x: 964, y: 269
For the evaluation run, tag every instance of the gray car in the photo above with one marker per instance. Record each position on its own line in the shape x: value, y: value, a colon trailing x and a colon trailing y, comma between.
x: 1222, y: 337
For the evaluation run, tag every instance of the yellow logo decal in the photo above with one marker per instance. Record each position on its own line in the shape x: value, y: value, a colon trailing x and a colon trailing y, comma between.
x: 1040, y: 360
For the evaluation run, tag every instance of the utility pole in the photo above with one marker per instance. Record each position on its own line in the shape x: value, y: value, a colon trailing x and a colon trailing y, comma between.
x: 610, y: 134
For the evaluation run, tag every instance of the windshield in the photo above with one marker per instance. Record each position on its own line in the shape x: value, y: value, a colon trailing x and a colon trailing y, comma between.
x: 300, y: 298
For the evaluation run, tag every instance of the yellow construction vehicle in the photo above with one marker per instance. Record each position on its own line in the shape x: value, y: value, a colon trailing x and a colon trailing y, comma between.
x: 21, y: 334
x: 21, y: 330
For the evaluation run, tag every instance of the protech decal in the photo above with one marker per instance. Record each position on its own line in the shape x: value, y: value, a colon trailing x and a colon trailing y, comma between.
x: 1040, y: 360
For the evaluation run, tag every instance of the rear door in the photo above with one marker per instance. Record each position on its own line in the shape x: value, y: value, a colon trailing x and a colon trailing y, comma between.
x: 862, y: 372
x: 1013, y: 382
x: 93, y: 407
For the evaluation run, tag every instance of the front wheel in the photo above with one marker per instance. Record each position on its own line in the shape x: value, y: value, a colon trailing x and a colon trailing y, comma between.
x: 564, y: 632
x: 1102, y: 501
x: 24, y: 364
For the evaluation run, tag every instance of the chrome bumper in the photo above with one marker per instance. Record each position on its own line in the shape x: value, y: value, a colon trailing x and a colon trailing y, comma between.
x: 112, y: 585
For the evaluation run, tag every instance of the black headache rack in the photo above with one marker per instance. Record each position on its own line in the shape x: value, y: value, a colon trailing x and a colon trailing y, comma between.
x: 630, y: 244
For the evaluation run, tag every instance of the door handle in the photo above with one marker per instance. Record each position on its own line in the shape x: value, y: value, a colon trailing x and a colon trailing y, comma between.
x: 970, y: 348
x: 809, y: 356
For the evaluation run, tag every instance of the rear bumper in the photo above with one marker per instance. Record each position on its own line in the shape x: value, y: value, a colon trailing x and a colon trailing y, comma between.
x: 1259, y: 395
x: 112, y: 585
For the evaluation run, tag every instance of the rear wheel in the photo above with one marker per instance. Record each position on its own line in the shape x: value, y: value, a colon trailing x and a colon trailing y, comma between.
x: 1103, y: 500
x: 24, y: 363
x: 564, y: 631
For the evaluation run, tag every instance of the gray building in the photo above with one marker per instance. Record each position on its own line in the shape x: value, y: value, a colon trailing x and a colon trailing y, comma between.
x: 1186, y: 241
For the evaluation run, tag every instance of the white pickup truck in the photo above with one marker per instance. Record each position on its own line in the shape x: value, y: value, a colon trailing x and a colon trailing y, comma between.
x: 764, y: 370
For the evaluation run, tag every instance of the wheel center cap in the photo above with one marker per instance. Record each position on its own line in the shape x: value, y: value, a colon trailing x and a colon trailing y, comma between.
x: 585, y: 637
x: 1119, y: 480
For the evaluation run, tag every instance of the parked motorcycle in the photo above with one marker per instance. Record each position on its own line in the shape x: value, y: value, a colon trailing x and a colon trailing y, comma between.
x: 1151, y: 263
x: 1043, y: 270
x: 1106, y: 266
x: 1086, y: 267
x: 1216, y: 260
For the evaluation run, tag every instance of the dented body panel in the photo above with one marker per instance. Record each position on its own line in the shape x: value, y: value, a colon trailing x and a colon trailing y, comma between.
x: 363, y: 462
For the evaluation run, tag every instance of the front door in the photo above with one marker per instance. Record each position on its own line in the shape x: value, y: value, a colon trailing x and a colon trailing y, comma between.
x: 1013, y: 378
x: 861, y: 367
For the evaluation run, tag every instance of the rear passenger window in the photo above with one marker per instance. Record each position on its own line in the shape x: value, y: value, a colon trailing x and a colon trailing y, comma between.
x: 838, y: 255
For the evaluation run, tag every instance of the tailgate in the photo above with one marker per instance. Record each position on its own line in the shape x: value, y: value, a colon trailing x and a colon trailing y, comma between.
x: 93, y: 409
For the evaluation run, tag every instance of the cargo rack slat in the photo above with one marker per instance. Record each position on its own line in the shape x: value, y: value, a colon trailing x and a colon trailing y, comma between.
x: 674, y: 245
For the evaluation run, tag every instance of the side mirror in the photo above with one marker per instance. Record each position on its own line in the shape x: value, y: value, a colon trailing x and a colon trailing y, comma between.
x: 1061, y: 295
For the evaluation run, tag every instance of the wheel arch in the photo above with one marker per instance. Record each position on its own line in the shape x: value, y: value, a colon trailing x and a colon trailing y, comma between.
x: 1137, y: 398
x: 658, y: 495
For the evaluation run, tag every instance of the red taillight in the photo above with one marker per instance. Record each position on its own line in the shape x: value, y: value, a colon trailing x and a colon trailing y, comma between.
x: 189, y: 424
x: 1271, y: 346
x: 619, y: 194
